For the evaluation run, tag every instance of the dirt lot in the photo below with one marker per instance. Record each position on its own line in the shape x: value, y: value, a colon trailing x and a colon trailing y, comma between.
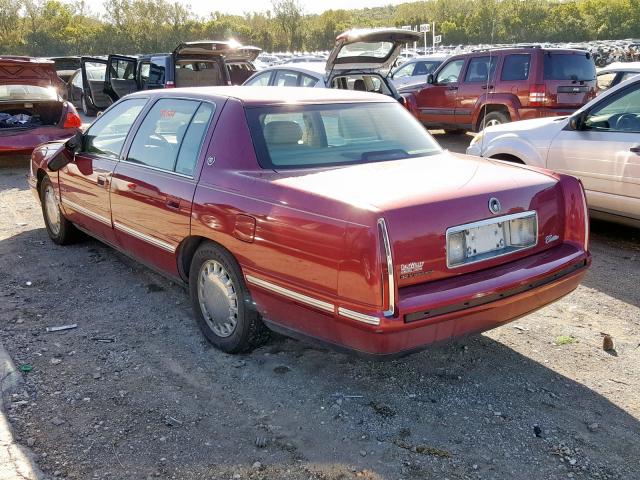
x: 135, y: 392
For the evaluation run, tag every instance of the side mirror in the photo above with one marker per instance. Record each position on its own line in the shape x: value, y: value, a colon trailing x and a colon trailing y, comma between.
x: 577, y: 121
x: 65, y: 155
x: 430, y: 79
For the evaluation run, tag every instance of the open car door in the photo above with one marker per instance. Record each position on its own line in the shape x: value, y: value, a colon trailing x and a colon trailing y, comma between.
x: 94, y: 71
x: 120, y: 79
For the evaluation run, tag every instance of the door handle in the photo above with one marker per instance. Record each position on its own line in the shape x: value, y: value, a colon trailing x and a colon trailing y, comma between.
x: 484, y: 87
x: 635, y: 149
x: 452, y: 88
x: 173, y: 203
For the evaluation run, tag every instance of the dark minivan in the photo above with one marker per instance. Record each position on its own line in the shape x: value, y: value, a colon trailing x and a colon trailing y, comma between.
x: 490, y: 87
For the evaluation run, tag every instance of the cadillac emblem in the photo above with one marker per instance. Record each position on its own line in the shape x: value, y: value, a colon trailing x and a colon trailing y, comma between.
x: 494, y: 205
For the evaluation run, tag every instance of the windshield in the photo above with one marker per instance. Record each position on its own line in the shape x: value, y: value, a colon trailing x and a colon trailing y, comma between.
x: 27, y: 92
x: 379, y: 50
x: 307, y: 136
x: 575, y: 67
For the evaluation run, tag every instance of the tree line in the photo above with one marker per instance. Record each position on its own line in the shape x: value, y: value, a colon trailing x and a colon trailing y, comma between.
x: 51, y: 27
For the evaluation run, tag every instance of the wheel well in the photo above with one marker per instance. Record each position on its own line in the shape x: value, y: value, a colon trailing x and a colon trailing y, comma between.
x: 187, y: 249
x: 39, y: 176
x: 507, y: 158
x: 486, y: 109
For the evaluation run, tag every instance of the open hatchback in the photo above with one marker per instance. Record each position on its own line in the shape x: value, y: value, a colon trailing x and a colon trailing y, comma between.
x: 366, y: 51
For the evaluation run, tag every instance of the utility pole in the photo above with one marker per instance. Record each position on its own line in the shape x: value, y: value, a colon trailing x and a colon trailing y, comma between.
x: 433, y: 32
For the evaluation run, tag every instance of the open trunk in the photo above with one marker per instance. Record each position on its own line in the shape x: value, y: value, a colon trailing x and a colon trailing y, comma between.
x: 15, y: 116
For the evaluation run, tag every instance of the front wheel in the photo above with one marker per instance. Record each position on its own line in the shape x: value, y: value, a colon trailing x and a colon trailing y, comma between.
x: 60, y: 230
x: 221, y: 301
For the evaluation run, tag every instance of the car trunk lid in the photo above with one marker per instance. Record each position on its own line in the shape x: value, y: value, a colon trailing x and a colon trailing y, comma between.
x: 232, y: 51
x: 27, y: 71
x: 421, y: 198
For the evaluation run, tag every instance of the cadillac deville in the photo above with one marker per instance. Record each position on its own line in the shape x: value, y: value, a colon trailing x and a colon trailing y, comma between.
x: 322, y: 214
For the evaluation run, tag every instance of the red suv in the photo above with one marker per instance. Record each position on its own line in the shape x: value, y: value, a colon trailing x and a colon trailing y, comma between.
x: 490, y: 87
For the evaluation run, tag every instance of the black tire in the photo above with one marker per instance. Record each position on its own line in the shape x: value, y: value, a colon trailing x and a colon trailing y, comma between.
x: 454, y: 131
x: 249, y: 332
x: 494, y: 118
x: 65, y: 233
x: 86, y: 109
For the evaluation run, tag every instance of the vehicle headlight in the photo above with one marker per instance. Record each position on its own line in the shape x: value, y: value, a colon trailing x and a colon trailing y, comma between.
x: 522, y: 231
x: 477, y: 138
x: 456, y: 248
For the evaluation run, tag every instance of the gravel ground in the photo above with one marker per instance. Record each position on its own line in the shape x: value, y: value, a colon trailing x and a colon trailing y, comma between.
x: 135, y: 391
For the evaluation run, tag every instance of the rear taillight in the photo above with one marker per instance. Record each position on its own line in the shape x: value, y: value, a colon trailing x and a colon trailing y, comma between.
x: 72, y: 120
x: 170, y: 85
x: 388, y: 277
x: 537, y: 95
x: 576, y: 229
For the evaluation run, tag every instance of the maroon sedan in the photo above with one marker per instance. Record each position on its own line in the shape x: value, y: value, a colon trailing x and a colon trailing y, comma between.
x: 319, y: 213
x: 32, y: 110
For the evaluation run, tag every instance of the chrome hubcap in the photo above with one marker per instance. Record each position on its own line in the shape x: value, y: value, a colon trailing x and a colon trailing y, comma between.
x: 492, y: 123
x: 217, y: 298
x: 52, y: 209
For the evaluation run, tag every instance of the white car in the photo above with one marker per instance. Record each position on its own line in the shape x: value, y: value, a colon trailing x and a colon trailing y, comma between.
x: 599, y: 144
x: 615, y: 73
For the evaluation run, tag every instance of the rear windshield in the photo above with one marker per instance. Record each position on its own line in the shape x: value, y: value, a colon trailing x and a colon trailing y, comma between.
x: 307, y: 136
x: 366, y: 49
x: 577, y: 67
x: 27, y: 92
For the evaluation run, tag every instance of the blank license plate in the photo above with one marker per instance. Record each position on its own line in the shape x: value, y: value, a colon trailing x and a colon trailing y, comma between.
x: 484, y: 239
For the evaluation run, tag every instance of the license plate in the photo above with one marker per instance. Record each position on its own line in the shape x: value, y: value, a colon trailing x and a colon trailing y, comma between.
x: 484, y: 239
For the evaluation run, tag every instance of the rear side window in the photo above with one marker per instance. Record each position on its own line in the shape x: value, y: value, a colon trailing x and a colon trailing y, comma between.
x: 156, y: 72
x: 516, y: 67
x: 307, y: 80
x: 286, y: 78
x: 565, y: 66
x: 107, y: 134
x: 481, y: 69
x: 171, y: 126
x: 122, y: 69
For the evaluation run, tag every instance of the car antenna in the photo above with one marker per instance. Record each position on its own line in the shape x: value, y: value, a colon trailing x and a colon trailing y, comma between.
x: 493, y: 26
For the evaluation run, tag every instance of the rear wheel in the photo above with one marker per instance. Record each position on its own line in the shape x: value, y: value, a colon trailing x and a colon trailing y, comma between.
x: 86, y: 109
x: 221, y: 301
x: 60, y: 230
x: 492, y: 119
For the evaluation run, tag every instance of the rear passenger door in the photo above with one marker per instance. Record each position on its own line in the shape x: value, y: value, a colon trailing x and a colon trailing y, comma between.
x: 153, y: 185
x: 94, y: 71
x: 121, y: 76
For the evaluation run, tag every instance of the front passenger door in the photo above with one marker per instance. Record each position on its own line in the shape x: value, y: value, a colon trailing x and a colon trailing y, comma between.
x: 437, y: 102
x: 605, y: 154
x: 84, y: 182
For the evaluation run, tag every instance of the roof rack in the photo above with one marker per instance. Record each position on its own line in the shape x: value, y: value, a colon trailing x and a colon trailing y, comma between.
x: 512, y: 45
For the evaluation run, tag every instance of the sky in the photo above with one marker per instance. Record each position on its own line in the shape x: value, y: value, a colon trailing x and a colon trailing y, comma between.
x: 238, y: 7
